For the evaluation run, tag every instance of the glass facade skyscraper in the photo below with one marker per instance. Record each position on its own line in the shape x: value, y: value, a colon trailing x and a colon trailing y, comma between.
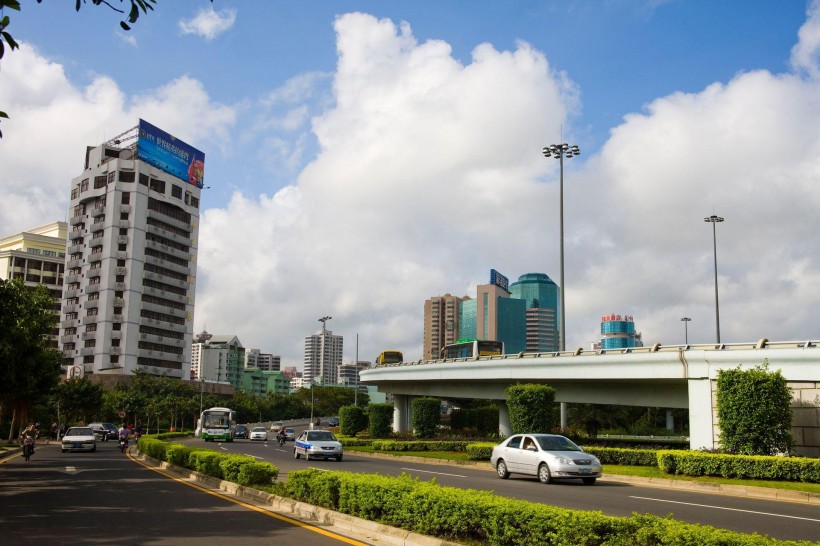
x: 541, y: 296
x: 618, y: 332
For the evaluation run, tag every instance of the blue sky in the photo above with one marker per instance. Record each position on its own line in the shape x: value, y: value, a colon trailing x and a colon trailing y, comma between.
x: 364, y: 156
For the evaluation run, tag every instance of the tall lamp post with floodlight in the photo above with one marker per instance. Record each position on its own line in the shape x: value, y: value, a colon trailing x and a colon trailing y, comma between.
x: 714, y: 220
x: 686, y: 321
x: 559, y: 151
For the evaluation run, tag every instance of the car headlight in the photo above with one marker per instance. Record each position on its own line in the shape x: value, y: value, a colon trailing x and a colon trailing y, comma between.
x: 562, y: 460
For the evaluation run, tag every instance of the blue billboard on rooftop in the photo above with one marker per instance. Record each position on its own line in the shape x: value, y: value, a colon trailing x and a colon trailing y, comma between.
x: 172, y: 155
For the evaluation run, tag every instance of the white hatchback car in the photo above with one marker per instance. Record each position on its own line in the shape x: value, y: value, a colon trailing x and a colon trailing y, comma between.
x: 318, y: 444
x: 79, y: 439
x: 548, y: 456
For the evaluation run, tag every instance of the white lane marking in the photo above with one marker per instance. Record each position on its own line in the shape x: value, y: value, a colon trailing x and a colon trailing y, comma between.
x: 70, y: 469
x: 438, y: 473
x: 223, y: 448
x: 726, y: 508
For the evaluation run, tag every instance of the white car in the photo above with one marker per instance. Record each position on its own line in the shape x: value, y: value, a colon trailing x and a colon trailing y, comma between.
x: 318, y: 444
x: 259, y: 433
x: 79, y: 439
x: 548, y: 456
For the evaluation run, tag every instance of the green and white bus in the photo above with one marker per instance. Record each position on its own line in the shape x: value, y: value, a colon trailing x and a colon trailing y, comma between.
x: 217, y: 424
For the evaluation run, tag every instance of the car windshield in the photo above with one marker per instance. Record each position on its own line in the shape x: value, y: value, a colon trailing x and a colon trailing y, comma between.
x: 77, y: 431
x: 320, y: 436
x: 556, y: 443
x: 259, y: 429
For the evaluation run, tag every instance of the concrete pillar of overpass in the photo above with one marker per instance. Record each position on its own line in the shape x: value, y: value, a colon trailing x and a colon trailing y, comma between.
x: 563, y: 416
x: 401, y: 412
x: 670, y: 421
x: 701, y: 412
x: 504, y: 426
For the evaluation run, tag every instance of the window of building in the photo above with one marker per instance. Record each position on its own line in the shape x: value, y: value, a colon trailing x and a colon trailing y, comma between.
x: 144, y: 179
x: 115, y: 342
x: 115, y: 359
x: 89, y: 359
x: 158, y: 185
x: 123, y: 216
x: 127, y: 176
x: 100, y: 181
x: 176, y: 191
x: 126, y: 198
x: 122, y: 247
x: 120, y: 263
x: 111, y: 176
x: 116, y: 326
x: 74, y: 193
x: 84, y: 185
x: 194, y: 202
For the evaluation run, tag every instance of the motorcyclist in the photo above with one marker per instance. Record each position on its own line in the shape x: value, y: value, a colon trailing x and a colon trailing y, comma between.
x: 281, y: 435
x: 29, y: 432
x: 123, y: 433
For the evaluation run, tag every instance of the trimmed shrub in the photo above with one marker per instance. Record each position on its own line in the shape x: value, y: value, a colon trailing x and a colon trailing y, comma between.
x: 178, y: 454
x: 627, y: 457
x: 754, y: 411
x: 381, y: 419
x: 352, y: 442
x: 352, y: 420
x: 206, y: 462
x: 419, y: 445
x: 531, y: 408
x: 152, y: 447
x: 426, y: 416
x: 480, y: 451
x: 254, y: 473
x: 230, y: 465
x: 759, y: 467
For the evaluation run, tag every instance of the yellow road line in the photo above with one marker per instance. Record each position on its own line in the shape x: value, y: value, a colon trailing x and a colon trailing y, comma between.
x: 264, y: 511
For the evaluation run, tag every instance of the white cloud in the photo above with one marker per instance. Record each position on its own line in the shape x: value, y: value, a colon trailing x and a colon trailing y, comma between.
x: 806, y: 53
x: 209, y: 23
x: 429, y: 173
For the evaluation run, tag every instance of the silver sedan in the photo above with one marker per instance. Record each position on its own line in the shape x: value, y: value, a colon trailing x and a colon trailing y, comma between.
x: 548, y: 456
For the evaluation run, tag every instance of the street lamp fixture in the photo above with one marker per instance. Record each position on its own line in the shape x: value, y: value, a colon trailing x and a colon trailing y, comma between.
x: 559, y: 151
x: 714, y: 220
x: 686, y: 321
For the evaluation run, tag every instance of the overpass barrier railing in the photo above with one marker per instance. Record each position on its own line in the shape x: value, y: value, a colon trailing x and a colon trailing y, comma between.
x: 761, y: 344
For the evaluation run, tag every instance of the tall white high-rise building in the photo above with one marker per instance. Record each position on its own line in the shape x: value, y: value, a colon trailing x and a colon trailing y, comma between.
x: 323, y: 356
x: 128, y: 298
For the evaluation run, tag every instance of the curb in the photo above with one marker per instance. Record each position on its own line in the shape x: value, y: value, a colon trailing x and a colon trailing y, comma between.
x: 376, y: 533
x: 768, y: 493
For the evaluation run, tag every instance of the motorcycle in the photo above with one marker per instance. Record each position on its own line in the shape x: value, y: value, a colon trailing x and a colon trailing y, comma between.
x: 123, y: 444
x: 28, y: 447
x: 281, y: 439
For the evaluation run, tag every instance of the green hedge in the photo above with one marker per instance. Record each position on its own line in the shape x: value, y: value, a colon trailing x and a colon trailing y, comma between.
x: 626, y: 457
x: 480, y: 451
x: 420, y: 445
x: 351, y: 442
x: 481, y: 517
x: 242, y: 469
x: 758, y: 467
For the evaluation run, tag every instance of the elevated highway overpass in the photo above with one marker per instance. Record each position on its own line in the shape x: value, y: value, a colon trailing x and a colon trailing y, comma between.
x: 669, y: 377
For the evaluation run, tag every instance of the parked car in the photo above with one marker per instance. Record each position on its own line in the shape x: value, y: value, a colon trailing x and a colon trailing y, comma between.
x: 79, y: 439
x: 290, y: 434
x: 548, y: 456
x: 259, y: 433
x: 333, y: 422
x: 241, y: 431
x: 104, y: 431
x: 321, y: 444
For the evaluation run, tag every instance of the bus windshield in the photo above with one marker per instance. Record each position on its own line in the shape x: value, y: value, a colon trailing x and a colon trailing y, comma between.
x: 217, y: 419
x: 389, y: 357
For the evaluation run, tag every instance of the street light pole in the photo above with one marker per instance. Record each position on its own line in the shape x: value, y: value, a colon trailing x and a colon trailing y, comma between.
x: 686, y: 321
x: 558, y: 151
x: 714, y: 220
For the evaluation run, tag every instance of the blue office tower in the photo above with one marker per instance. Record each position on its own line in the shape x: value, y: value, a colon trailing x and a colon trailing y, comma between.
x: 541, y: 296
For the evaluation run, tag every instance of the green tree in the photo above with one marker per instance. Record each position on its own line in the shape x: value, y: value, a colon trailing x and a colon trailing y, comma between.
x: 352, y: 420
x: 80, y: 399
x: 531, y: 408
x: 29, y: 368
x: 426, y: 416
x: 754, y: 411
x: 380, y: 418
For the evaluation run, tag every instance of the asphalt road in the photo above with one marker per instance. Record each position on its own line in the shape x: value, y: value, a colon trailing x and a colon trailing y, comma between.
x: 106, y: 498
x: 778, y: 519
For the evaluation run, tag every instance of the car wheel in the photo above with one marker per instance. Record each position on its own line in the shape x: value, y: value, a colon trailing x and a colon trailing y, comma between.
x: 588, y: 481
x: 501, y: 469
x: 339, y: 459
x: 544, y: 475
x: 93, y: 449
x: 63, y: 450
x: 295, y: 453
